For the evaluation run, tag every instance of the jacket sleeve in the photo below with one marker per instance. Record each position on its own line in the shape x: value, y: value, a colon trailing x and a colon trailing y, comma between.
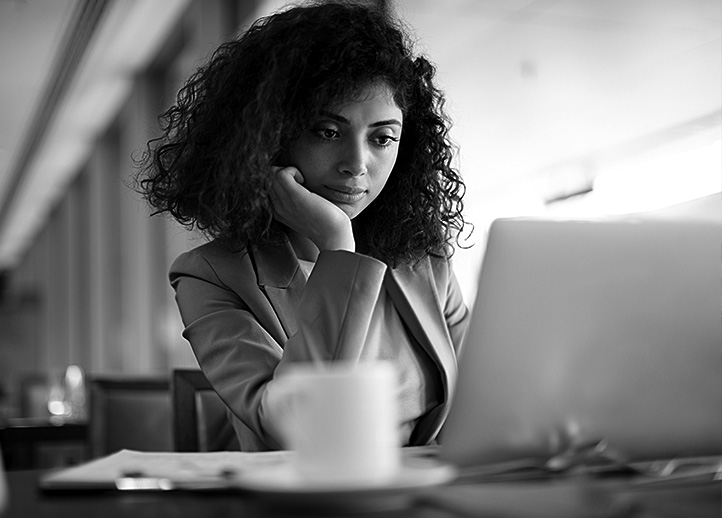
x: 241, y: 351
x: 456, y: 312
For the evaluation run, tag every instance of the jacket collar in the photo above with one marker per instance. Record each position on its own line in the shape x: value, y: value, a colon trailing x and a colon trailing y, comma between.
x: 281, y: 279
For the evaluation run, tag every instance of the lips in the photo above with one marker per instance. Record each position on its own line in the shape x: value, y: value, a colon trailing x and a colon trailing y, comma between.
x: 345, y: 193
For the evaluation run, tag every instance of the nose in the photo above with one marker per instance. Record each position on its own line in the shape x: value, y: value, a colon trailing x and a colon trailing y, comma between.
x: 354, y: 159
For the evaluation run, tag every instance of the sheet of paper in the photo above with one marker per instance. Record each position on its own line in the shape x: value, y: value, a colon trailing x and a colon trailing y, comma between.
x: 176, y: 470
x: 177, y: 467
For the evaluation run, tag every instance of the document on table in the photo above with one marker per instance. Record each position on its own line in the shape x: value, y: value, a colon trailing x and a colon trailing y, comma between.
x: 141, y: 470
x: 129, y: 469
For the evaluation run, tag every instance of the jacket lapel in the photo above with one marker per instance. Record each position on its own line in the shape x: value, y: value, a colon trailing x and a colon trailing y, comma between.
x: 281, y: 279
x: 416, y: 298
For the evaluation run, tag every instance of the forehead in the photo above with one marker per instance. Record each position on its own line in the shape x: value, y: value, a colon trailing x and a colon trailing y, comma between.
x: 378, y: 95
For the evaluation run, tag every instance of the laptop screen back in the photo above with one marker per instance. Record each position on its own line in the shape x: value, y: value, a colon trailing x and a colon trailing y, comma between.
x: 591, y: 330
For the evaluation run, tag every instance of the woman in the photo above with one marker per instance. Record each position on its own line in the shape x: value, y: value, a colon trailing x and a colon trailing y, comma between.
x: 313, y: 151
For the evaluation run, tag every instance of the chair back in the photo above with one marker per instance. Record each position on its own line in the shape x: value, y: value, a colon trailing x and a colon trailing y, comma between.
x: 130, y: 413
x: 200, y: 420
x: 3, y: 486
x: 34, y: 393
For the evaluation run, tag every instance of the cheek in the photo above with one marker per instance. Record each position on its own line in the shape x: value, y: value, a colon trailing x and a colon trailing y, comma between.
x: 382, y: 183
x: 314, y: 168
x: 385, y: 169
x: 309, y: 160
x: 381, y: 179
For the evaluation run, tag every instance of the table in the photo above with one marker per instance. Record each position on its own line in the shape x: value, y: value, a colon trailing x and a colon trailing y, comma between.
x: 20, y: 439
x: 695, y: 501
x: 27, y: 501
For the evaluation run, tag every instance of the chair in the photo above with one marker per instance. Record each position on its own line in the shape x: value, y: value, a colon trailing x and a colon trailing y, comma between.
x: 129, y: 413
x: 34, y: 395
x: 200, y: 420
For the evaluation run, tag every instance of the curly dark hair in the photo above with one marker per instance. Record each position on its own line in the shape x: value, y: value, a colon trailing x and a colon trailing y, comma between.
x: 211, y: 167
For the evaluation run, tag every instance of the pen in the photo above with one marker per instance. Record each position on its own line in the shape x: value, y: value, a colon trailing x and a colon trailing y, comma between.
x: 138, y: 481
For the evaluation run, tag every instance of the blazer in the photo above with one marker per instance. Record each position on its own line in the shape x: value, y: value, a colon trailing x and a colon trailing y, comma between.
x: 247, y: 315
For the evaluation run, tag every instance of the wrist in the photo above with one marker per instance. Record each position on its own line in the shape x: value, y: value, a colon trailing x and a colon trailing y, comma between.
x: 340, y: 240
x: 339, y: 243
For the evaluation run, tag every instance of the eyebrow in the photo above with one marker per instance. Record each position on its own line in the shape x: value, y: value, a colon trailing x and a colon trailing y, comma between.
x: 344, y: 120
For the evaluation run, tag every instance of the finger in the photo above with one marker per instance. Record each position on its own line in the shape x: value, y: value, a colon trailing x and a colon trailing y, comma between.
x: 286, y: 193
x: 281, y: 194
x: 291, y: 172
x: 287, y: 183
x: 279, y: 203
x: 297, y: 175
x: 281, y: 181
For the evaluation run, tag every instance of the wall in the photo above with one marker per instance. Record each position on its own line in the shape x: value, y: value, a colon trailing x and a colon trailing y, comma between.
x: 92, y: 289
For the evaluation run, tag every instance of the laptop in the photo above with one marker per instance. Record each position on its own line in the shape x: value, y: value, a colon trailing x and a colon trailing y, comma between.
x: 592, y: 331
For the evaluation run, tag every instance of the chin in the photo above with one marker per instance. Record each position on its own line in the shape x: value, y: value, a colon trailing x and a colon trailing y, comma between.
x: 351, y: 212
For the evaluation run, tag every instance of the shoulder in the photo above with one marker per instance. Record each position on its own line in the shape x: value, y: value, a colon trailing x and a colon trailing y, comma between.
x: 440, y: 266
x: 210, y: 261
x: 438, y: 270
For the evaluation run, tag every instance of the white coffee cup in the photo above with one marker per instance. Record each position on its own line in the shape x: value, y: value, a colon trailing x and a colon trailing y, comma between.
x: 342, y: 421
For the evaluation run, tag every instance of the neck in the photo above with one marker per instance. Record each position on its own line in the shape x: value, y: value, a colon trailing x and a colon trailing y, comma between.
x: 360, y: 236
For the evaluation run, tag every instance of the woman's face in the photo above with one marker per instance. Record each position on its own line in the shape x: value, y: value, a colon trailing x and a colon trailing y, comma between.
x: 348, y: 151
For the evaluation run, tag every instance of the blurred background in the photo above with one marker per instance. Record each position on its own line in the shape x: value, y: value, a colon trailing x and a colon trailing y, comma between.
x: 562, y: 108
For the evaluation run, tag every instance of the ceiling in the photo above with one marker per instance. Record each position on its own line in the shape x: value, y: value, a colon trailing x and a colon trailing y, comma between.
x: 545, y: 91
x: 536, y: 88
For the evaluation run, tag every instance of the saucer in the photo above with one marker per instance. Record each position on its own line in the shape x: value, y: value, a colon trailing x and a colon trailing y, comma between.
x: 280, y: 485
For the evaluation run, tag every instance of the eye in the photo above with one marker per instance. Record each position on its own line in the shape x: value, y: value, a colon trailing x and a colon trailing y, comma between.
x: 385, y: 140
x: 326, y: 133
